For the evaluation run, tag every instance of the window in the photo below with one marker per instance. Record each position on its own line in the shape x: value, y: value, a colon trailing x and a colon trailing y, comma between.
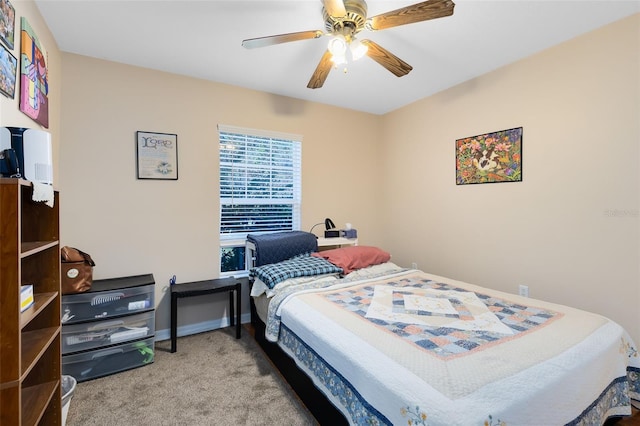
x: 259, y: 188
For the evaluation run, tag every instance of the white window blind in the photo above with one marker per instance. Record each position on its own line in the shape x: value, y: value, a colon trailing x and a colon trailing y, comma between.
x: 259, y: 181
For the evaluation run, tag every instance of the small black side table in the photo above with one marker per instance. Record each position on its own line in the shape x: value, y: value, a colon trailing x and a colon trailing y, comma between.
x: 198, y: 288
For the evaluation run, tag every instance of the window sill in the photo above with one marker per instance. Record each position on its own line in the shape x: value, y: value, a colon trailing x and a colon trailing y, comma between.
x: 232, y: 243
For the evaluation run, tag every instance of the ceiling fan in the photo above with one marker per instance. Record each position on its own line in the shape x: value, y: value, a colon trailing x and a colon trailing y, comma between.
x: 343, y: 20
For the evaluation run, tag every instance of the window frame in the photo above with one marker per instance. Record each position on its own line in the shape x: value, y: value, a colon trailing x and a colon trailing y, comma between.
x: 231, y: 240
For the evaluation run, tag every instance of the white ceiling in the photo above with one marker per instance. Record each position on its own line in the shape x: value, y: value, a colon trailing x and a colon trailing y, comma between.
x: 202, y: 39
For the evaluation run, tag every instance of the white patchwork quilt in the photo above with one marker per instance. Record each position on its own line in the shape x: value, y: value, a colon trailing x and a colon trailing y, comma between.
x: 413, y: 348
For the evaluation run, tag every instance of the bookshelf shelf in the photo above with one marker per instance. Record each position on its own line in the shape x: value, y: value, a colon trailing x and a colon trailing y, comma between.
x: 30, y: 366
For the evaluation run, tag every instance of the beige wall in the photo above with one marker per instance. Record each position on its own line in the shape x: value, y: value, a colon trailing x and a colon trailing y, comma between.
x: 10, y: 114
x: 135, y: 226
x: 570, y: 230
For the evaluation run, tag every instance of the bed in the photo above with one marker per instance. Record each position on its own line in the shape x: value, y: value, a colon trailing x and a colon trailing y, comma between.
x: 381, y: 344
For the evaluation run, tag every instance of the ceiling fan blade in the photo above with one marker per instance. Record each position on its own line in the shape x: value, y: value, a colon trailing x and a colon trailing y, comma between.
x: 335, y: 8
x: 321, y: 72
x: 418, y: 12
x: 387, y: 59
x: 281, y: 38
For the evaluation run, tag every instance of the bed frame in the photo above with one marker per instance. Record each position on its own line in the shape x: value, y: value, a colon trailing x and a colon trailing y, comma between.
x: 315, y: 401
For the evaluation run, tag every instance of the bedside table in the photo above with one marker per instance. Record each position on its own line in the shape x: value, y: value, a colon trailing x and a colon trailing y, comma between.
x: 199, y: 288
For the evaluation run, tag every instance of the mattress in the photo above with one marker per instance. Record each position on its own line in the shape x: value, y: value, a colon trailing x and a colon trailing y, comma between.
x: 394, y: 346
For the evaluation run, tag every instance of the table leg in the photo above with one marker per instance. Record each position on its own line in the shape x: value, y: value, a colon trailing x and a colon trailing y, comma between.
x: 238, y: 309
x: 174, y: 321
x: 232, y: 315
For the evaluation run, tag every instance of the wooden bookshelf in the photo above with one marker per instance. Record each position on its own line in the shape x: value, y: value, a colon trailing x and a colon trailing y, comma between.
x: 30, y: 361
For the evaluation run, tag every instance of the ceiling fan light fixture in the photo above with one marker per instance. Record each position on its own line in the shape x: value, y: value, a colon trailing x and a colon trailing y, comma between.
x: 358, y: 49
x: 338, y: 45
x: 344, y: 20
x: 338, y: 59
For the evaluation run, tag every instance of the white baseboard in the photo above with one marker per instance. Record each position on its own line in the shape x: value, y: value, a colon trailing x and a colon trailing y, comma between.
x: 200, y: 327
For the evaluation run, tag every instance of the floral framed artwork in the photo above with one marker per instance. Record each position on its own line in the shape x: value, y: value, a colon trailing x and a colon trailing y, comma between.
x: 157, y: 155
x: 7, y: 23
x: 8, y: 68
x: 490, y: 158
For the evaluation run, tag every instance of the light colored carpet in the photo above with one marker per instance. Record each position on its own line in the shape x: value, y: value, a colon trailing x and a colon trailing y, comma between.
x: 213, y: 379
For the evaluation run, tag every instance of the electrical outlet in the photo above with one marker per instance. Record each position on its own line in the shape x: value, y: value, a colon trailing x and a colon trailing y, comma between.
x: 523, y: 290
x: 414, y: 265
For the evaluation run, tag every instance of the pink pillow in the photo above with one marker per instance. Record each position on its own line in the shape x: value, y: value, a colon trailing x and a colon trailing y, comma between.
x: 354, y: 257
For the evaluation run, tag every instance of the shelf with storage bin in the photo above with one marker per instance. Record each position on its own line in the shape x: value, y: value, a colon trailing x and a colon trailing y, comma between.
x: 41, y: 301
x: 30, y: 366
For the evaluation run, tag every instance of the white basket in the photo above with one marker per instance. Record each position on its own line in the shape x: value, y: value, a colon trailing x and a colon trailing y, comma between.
x: 68, y: 388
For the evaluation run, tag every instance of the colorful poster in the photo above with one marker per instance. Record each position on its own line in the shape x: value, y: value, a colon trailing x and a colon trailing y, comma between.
x: 8, y: 68
x: 7, y: 22
x: 488, y: 158
x: 34, y: 85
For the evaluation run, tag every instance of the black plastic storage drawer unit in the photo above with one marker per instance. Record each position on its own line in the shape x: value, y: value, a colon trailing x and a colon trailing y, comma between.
x: 110, y: 298
x: 96, y: 334
x: 109, y: 328
x: 106, y: 361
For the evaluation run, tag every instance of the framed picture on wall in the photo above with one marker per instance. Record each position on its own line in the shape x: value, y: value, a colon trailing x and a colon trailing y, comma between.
x: 34, y: 76
x: 8, y: 68
x: 490, y: 158
x: 157, y: 155
x: 7, y: 23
